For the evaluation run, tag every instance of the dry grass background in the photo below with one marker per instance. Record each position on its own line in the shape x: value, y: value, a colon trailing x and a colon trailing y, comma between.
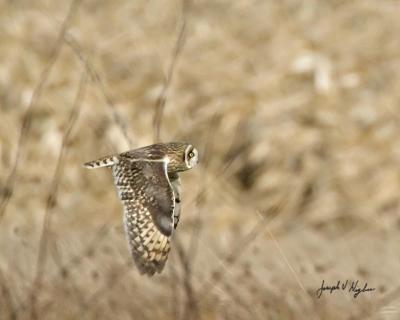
x: 294, y: 106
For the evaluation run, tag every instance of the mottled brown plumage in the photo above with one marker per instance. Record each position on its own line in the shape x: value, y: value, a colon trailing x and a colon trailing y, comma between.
x: 148, y: 185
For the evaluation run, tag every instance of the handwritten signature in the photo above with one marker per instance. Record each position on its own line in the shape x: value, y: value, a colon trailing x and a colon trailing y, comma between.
x: 352, y: 287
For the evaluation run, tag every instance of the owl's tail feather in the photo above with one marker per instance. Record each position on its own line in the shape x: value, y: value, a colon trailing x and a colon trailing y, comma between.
x: 102, y: 162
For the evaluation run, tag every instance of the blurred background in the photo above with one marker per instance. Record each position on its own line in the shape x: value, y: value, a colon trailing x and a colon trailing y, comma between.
x: 294, y: 107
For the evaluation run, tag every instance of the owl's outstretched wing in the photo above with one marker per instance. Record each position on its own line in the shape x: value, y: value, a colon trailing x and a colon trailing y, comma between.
x: 149, y: 202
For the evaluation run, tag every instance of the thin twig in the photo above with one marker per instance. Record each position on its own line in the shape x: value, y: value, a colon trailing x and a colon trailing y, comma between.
x: 234, y: 154
x: 65, y: 269
x: 67, y: 281
x: 27, y: 119
x: 111, y: 282
x: 284, y: 257
x: 97, y: 80
x: 191, y: 310
x: 277, y: 245
x: 52, y: 199
x: 8, y: 298
x: 218, y: 274
x: 223, y: 168
x: 162, y: 98
x: 199, y: 200
x: 88, y: 251
x: 175, y: 296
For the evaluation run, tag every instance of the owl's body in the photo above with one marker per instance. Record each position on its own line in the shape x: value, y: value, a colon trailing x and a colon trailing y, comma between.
x: 148, y: 185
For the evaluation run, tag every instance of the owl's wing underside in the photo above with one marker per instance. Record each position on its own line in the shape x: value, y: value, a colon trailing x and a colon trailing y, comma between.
x: 176, y: 187
x: 149, y: 203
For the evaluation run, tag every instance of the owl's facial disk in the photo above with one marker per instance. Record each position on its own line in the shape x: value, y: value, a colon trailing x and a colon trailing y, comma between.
x: 191, y: 157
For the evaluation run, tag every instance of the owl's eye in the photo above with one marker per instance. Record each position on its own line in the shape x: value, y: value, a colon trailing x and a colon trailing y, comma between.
x: 191, y: 155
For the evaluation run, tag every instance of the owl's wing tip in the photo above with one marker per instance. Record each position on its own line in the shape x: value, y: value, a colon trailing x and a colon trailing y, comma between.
x: 146, y: 270
x: 146, y: 267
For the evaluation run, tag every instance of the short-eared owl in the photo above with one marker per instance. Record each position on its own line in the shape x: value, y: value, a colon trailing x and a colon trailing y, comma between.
x: 148, y: 185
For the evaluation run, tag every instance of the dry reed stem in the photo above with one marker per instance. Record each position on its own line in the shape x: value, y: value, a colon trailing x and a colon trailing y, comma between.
x: 99, y: 83
x: 291, y: 268
x: 111, y: 282
x: 200, y: 197
x: 190, y: 310
x: 174, y: 285
x: 162, y: 98
x: 26, y: 121
x: 8, y: 298
x: 65, y: 269
x: 238, y: 250
x: 182, y: 279
x: 52, y: 199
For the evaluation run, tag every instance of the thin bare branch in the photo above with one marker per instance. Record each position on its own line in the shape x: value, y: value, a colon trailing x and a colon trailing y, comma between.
x: 175, y: 293
x: 65, y: 269
x: 162, y: 98
x: 191, y: 310
x: 52, y: 198
x: 238, y: 250
x: 27, y: 119
x: 199, y: 199
x: 112, y: 280
x: 8, y: 298
x: 97, y: 80
x: 284, y: 257
x: 68, y: 282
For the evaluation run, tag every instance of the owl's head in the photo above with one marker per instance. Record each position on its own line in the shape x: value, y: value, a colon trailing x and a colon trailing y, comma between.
x: 182, y: 156
x: 191, y: 156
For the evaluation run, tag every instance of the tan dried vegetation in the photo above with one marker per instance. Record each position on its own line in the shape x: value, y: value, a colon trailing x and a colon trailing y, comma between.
x: 294, y: 106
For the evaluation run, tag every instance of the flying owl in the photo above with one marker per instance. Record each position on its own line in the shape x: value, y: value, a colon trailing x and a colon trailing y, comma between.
x: 148, y: 185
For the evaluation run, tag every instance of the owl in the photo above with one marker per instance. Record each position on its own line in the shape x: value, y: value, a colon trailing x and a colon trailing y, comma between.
x: 148, y: 185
